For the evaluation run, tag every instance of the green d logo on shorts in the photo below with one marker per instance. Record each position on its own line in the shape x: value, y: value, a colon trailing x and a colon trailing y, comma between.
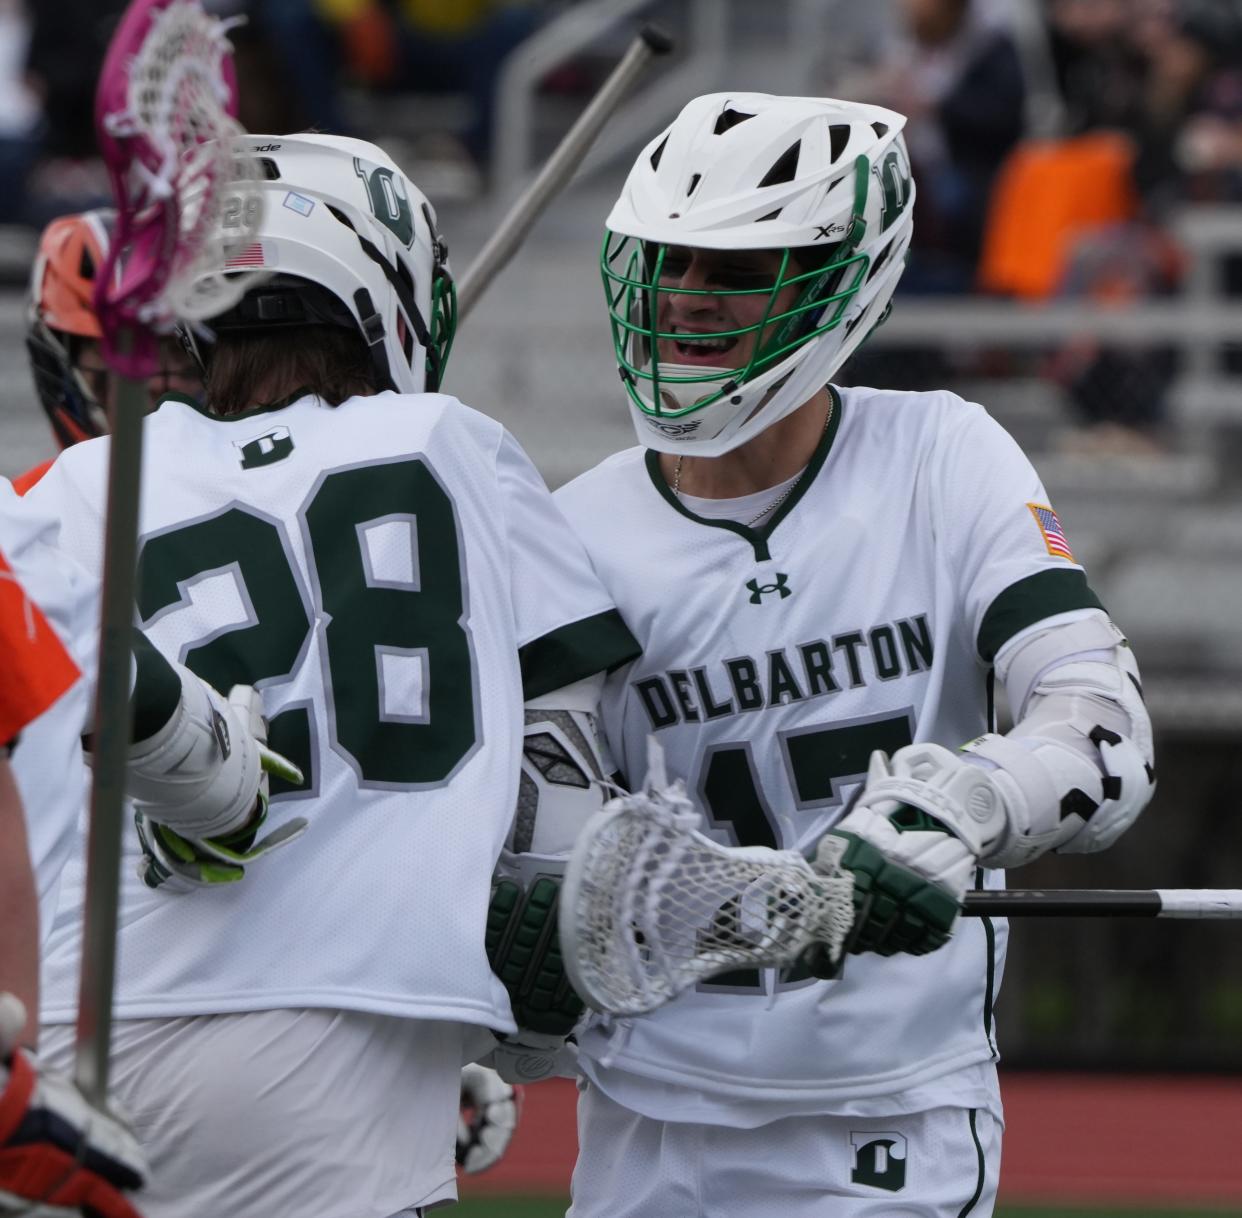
x: 879, y: 1160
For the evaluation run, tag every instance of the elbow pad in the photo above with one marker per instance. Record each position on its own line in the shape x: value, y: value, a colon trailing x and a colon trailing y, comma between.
x: 1077, y: 768
x: 561, y: 784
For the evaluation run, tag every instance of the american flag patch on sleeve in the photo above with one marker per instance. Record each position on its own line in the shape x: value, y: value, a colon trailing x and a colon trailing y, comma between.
x: 1051, y: 531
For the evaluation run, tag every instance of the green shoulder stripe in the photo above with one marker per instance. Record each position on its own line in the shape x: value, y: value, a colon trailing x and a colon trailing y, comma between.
x: 1031, y: 600
x: 594, y: 644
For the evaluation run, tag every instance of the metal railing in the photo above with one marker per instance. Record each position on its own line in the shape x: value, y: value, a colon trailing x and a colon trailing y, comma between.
x: 1200, y: 321
x: 513, y: 148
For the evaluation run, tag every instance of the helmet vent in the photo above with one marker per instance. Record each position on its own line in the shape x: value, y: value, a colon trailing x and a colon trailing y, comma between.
x: 880, y: 129
x: 694, y: 181
x: 839, y: 137
x: 786, y: 167
x: 86, y: 268
x: 772, y: 215
x: 880, y: 259
x: 728, y: 119
x: 658, y: 153
x: 271, y: 171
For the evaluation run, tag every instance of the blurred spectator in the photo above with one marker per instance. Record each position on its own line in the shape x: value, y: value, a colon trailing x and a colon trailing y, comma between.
x: 67, y: 44
x: 20, y: 115
x: 954, y: 71
x: 1099, y: 69
x: 434, y: 46
x: 289, y: 64
x: 1191, y: 52
x: 1118, y: 393
x: 1164, y: 73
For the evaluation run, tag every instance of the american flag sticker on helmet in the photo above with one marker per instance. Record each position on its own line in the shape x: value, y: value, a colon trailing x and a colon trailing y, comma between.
x: 252, y: 255
x: 1051, y: 531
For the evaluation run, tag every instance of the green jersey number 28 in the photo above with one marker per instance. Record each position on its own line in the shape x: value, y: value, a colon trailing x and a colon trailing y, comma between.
x: 414, y: 621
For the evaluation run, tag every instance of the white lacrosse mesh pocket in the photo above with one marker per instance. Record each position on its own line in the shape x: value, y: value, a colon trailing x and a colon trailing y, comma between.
x: 650, y: 906
x: 177, y: 96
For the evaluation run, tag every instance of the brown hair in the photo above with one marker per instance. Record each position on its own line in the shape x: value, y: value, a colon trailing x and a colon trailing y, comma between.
x: 263, y: 367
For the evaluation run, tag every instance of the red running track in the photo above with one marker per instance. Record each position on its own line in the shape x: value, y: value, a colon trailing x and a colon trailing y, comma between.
x: 1154, y: 1140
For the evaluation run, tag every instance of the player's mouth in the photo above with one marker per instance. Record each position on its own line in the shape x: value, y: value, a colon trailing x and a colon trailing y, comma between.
x: 700, y: 347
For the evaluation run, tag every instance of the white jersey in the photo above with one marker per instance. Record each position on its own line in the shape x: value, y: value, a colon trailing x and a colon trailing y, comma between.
x: 863, y: 615
x: 394, y: 577
x: 47, y: 761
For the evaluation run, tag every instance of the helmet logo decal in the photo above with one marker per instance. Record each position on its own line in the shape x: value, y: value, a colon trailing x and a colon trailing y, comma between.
x: 299, y: 203
x: 895, y: 183
x: 826, y: 232
x: 390, y: 204
x: 673, y: 429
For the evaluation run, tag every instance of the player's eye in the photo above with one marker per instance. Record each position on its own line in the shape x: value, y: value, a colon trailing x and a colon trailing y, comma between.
x: 742, y: 279
x: 673, y: 267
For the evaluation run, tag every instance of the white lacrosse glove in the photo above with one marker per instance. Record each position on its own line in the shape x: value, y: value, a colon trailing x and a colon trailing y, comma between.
x: 530, y: 1057
x: 59, y: 1156
x: 200, y: 789
x: 912, y: 841
x: 488, y: 1116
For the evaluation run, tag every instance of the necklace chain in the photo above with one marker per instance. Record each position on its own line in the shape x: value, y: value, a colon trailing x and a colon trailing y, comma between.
x: 771, y: 507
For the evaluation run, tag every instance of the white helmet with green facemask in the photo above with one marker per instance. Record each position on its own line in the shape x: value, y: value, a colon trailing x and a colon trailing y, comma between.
x: 827, y: 185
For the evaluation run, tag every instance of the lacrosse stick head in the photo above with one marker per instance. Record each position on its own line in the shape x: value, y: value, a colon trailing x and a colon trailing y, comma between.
x: 186, y: 197
x: 649, y: 906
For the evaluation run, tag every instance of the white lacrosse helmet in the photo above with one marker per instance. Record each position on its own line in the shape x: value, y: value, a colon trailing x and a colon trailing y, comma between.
x: 347, y: 239
x: 825, y: 182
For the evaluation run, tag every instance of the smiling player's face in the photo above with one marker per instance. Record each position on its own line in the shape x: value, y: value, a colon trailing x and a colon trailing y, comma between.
x: 693, y: 309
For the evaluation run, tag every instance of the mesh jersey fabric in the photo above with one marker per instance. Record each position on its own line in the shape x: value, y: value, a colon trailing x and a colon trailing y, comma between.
x: 860, y: 616
x: 392, y: 575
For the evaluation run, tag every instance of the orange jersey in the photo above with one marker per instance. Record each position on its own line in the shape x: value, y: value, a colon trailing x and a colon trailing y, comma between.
x: 35, y: 668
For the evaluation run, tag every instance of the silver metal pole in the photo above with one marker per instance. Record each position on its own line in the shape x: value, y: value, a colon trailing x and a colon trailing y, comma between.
x: 559, y: 168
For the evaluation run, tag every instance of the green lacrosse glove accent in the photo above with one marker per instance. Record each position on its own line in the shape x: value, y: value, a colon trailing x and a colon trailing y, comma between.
x: 911, y: 840
x: 895, y: 908
x: 524, y: 950
x: 276, y: 765
x: 183, y: 863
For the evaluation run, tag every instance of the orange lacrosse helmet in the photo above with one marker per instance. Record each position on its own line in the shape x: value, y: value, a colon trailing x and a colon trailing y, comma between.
x: 72, y: 249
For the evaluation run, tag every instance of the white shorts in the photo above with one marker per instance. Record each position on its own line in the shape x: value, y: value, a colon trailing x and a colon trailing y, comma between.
x: 943, y: 1163
x: 304, y: 1114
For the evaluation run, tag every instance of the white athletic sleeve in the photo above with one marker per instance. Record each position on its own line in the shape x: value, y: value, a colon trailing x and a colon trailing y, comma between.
x: 1013, y: 562
x: 568, y: 627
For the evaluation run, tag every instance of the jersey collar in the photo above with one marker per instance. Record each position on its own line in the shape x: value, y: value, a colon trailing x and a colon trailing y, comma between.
x: 268, y: 408
x: 757, y: 535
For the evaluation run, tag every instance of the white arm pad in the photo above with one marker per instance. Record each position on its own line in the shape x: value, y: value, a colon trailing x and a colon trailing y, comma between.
x: 1076, y: 770
x: 199, y: 774
x: 563, y: 771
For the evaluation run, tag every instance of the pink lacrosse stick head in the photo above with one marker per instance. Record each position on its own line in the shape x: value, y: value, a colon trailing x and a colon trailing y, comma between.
x: 167, y: 89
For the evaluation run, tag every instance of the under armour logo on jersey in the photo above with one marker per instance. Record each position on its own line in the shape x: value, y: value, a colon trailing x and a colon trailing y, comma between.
x: 271, y: 446
x: 758, y: 591
x: 879, y: 1160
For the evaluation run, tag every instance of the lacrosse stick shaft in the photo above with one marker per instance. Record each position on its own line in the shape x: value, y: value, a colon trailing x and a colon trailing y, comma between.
x: 560, y: 167
x: 1196, y: 903
x: 110, y: 746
